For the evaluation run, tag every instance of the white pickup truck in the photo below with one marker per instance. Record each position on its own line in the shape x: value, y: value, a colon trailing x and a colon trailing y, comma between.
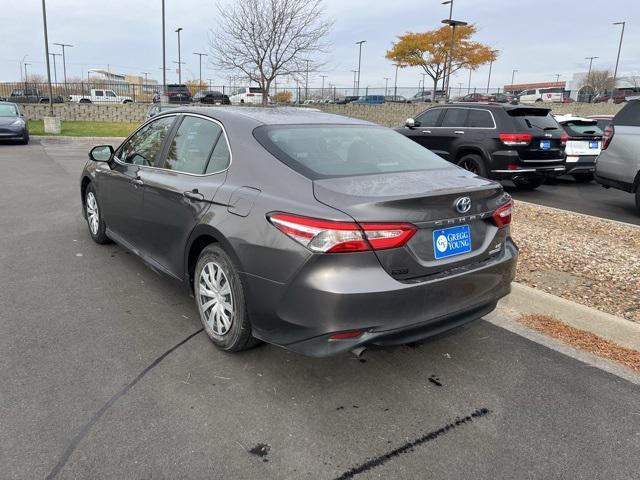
x: 100, y: 96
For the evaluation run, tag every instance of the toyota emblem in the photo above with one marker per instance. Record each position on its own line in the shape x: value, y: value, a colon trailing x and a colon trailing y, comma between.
x: 463, y: 205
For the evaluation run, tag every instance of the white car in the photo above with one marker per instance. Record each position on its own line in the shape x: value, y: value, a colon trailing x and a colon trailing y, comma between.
x: 583, y: 145
x: 542, y: 95
x: 100, y: 96
x: 252, y: 95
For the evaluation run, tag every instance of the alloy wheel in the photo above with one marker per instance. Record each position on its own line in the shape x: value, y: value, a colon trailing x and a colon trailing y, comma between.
x: 93, y: 215
x: 470, y: 166
x: 215, y: 298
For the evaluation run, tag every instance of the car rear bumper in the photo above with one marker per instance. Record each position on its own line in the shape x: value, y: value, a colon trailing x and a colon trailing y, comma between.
x: 581, y: 164
x: 611, y: 183
x: 510, y: 174
x: 507, y: 164
x: 331, y: 295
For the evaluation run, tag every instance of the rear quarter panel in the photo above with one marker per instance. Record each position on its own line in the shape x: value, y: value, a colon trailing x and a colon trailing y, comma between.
x: 621, y: 160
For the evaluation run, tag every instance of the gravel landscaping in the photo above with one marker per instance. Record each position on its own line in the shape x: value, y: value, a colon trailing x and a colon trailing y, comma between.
x: 587, y: 260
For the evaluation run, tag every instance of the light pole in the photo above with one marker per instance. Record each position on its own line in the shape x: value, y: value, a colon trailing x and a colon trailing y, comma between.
x: 146, y: 77
x: 615, y: 72
x: 22, y: 63
x: 55, y: 70
x: 469, y: 86
x: 179, y: 70
x: 210, y: 80
x: 359, y: 63
x: 446, y: 56
x: 355, y: 72
x: 557, y: 78
x: 322, y: 91
x: 386, y: 85
x: 423, y: 75
x: 64, y: 63
x: 200, y: 55
x: 395, y: 84
x: 46, y: 51
x: 164, y: 54
x: 306, y: 83
x: 26, y: 78
x: 453, y: 24
x: 493, y: 52
x: 591, y: 59
x: 513, y: 75
x: 178, y: 30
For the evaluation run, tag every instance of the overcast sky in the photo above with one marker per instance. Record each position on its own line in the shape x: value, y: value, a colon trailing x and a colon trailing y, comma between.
x: 539, y: 38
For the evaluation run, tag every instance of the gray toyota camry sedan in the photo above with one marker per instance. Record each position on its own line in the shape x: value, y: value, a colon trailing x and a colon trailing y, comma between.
x: 311, y: 231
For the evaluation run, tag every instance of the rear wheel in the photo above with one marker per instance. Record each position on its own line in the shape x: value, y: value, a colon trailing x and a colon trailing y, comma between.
x: 583, y: 177
x: 528, y: 183
x: 638, y: 200
x: 84, y: 100
x: 473, y: 163
x: 220, y: 299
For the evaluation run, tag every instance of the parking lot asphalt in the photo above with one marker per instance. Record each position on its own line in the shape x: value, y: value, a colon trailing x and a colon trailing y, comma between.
x: 587, y: 198
x: 104, y: 375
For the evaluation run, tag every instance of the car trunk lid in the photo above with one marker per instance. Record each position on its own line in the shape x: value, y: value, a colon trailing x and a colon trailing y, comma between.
x: 427, y: 200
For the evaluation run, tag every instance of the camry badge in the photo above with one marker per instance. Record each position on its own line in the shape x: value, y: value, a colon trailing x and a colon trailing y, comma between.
x: 463, y: 205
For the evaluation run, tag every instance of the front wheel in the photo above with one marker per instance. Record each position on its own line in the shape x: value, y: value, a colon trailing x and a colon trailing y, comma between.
x: 97, y: 226
x: 583, y: 177
x: 220, y: 299
x: 528, y: 183
x: 25, y: 139
x: 638, y: 200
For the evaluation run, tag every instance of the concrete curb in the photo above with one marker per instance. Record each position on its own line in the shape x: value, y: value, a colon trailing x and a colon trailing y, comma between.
x: 524, y: 299
x: 63, y: 138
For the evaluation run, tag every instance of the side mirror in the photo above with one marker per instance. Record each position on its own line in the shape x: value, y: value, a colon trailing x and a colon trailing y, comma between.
x: 411, y: 123
x: 101, y: 153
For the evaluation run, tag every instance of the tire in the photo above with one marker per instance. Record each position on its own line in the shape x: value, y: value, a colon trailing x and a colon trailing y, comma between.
x: 25, y: 139
x: 84, y: 100
x: 583, y: 177
x: 638, y: 200
x: 473, y: 163
x: 127, y: 101
x: 528, y: 183
x: 538, y: 100
x: 97, y: 226
x: 217, y: 275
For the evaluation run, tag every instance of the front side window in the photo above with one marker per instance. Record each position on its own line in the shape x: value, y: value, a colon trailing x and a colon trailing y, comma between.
x: 325, y: 151
x: 455, y: 117
x: 145, y: 145
x: 430, y: 117
x: 109, y: 93
x: 192, y: 145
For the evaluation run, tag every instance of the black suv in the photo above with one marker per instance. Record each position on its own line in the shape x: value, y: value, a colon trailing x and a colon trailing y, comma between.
x: 175, y: 93
x: 521, y: 143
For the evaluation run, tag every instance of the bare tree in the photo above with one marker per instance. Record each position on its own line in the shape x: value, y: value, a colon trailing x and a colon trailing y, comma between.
x: 600, y: 80
x: 264, y: 39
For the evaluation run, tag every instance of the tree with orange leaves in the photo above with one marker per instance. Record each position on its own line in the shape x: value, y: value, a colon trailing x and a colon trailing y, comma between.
x: 430, y: 50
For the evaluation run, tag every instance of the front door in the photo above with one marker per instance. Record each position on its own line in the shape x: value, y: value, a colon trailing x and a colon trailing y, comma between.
x: 179, y: 192
x: 424, y: 133
x: 452, y: 130
x: 123, y: 185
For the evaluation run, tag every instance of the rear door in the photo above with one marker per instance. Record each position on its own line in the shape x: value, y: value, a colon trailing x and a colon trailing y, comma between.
x: 451, y: 131
x: 179, y: 192
x: 585, y: 139
x: 546, y: 146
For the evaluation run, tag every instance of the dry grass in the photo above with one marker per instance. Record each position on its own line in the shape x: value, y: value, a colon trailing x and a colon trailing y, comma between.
x: 582, y: 340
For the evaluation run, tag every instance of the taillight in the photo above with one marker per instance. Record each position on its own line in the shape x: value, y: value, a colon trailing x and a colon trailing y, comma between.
x: 502, y: 216
x: 564, y: 136
x: 250, y: 94
x: 346, y: 335
x: 327, y: 236
x: 513, y: 139
x: 608, y: 136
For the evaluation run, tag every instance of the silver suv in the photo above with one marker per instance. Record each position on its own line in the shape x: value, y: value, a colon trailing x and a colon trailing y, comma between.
x: 618, y: 166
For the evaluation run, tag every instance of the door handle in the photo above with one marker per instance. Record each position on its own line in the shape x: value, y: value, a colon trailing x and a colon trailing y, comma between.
x: 137, y: 182
x: 426, y: 131
x: 194, y: 195
x: 458, y: 132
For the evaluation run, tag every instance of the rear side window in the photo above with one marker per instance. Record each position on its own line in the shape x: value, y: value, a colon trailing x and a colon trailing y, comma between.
x: 192, y: 145
x: 629, y: 115
x: 326, y: 151
x: 455, y: 117
x: 480, y: 119
x: 533, y: 119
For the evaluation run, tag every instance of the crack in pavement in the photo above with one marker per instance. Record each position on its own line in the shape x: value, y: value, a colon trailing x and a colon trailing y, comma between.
x: 407, y: 447
x: 82, y: 433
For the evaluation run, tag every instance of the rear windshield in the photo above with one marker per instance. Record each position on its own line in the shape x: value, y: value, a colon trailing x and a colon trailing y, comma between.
x: 327, y: 151
x: 629, y: 115
x: 534, y: 119
x: 579, y: 128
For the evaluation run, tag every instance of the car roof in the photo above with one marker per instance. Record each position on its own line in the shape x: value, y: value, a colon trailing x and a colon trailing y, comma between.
x: 273, y: 115
x: 503, y: 106
x: 572, y: 118
x: 9, y: 103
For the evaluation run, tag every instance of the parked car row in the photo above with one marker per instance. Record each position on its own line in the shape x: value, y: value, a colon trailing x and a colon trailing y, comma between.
x: 180, y: 94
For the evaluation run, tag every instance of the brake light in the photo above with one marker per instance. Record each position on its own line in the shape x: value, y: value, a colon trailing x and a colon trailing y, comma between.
x: 608, y: 136
x: 502, y: 216
x: 346, y: 335
x: 326, y: 236
x: 513, y: 139
x: 564, y: 136
x: 250, y: 94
